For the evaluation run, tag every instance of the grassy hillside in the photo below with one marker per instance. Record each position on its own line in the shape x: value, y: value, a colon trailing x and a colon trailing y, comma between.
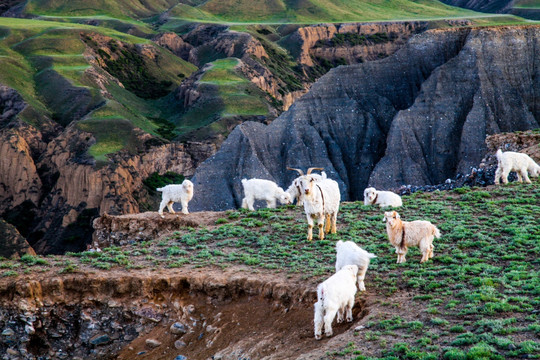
x: 314, y: 11
x: 477, y: 299
x: 51, y: 66
x: 227, y: 94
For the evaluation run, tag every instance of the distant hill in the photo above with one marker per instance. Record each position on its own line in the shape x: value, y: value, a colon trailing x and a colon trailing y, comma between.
x: 248, y: 11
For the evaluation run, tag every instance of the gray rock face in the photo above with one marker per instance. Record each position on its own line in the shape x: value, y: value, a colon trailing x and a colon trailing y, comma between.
x: 417, y: 117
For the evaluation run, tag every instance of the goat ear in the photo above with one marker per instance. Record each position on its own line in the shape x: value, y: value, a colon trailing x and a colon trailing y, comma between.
x: 397, y: 215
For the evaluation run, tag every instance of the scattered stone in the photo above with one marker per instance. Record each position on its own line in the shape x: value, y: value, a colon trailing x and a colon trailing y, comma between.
x: 29, y: 329
x: 358, y: 328
x: 178, y: 344
x: 178, y: 328
x: 11, y: 351
x: 8, y: 332
x: 141, y: 352
x: 150, y: 314
x: 153, y: 343
x: 180, y: 357
x: 98, y: 340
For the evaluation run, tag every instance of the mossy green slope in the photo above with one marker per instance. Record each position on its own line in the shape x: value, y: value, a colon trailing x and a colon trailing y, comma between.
x: 48, y: 64
x: 313, y: 11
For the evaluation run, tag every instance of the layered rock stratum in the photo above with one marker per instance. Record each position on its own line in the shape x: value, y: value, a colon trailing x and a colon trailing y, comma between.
x: 419, y: 116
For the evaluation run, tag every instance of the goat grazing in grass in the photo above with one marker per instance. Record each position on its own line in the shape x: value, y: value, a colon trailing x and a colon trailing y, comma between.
x: 513, y: 161
x: 321, y: 201
x: 335, y: 295
x: 182, y: 193
x: 381, y: 198
x: 403, y: 234
x: 259, y: 189
x: 348, y: 253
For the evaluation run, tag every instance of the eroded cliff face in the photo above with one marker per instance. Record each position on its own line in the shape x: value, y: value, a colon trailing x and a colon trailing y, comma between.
x: 417, y: 117
x: 123, y: 315
x: 312, y: 39
x: 48, y: 185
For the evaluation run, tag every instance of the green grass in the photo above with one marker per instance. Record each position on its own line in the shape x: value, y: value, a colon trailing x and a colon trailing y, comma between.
x: 477, y: 298
x: 315, y: 11
x: 44, y: 61
x: 228, y: 94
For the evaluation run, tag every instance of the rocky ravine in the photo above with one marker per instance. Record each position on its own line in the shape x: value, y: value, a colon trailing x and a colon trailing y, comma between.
x: 419, y: 116
x: 200, y: 314
x: 48, y: 184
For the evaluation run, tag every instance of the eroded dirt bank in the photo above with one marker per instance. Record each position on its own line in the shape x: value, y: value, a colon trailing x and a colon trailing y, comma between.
x: 200, y: 314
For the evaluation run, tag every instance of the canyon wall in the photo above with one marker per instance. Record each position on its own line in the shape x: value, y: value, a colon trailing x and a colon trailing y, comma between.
x: 419, y: 116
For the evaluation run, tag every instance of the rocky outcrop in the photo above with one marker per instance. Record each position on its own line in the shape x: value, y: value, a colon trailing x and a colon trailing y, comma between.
x: 312, y: 40
x: 12, y: 244
x: 124, y: 315
x: 491, y: 6
x: 419, y: 116
x: 174, y: 43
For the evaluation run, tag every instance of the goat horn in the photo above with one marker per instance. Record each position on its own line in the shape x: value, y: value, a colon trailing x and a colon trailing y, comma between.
x: 311, y: 169
x: 298, y: 170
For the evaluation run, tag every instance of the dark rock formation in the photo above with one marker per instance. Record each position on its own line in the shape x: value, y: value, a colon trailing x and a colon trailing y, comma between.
x: 418, y: 117
x: 489, y: 6
x: 12, y: 244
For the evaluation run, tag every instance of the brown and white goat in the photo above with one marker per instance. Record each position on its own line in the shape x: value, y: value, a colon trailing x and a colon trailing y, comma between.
x: 404, y: 234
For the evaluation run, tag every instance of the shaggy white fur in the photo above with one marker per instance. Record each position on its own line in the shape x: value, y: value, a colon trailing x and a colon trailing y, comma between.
x: 260, y: 189
x: 335, y: 295
x: 321, y: 202
x: 513, y: 161
x: 404, y: 234
x: 294, y: 189
x: 182, y: 193
x: 381, y: 198
x: 348, y: 253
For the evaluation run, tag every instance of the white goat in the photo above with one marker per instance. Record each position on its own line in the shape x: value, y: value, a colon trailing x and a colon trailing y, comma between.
x: 348, y: 253
x: 381, y: 198
x: 259, y: 189
x: 182, y: 193
x: 335, y: 295
x: 294, y: 190
x: 514, y: 161
x: 404, y: 234
x: 321, y: 201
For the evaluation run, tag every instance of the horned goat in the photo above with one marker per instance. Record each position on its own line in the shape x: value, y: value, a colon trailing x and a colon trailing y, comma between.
x: 321, y: 201
x: 514, y: 161
x: 294, y: 190
x: 348, y: 253
x: 182, y: 193
x: 260, y: 189
x: 335, y: 295
x: 403, y: 234
x: 381, y: 198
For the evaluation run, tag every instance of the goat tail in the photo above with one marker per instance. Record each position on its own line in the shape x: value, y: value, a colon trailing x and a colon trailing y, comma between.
x: 499, y: 154
x: 159, y: 189
x: 321, y: 293
x: 436, y: 232
x: 371, y: 256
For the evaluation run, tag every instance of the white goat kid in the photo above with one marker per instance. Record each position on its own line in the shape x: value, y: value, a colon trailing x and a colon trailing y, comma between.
x: 513, y: 161
x: 348, y: 253
x: 321, y: 202
x: 381, y: 198
x: 182, y: 193
x: 403, y: 234
x: 260, y: 189
x: 335, y: 295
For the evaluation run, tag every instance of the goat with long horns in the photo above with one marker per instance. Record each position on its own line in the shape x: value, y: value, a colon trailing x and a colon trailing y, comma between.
x: 321, y: 201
